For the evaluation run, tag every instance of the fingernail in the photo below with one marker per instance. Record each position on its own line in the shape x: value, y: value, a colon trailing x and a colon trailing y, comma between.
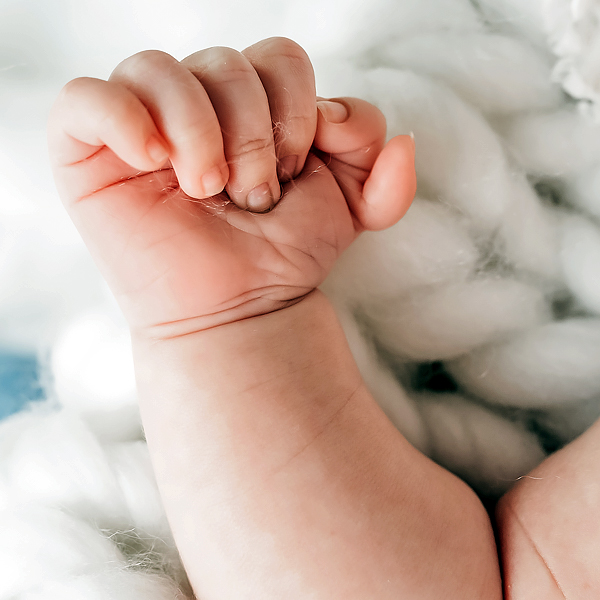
x: 156, y: 150
x: 286, y: 169
x: 260, y: 198
x: 333, y: 112
x: 213, y: 182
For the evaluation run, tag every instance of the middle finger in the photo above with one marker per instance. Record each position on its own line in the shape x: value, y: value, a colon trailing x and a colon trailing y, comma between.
x: 288, y: 78
x: 242, y: 108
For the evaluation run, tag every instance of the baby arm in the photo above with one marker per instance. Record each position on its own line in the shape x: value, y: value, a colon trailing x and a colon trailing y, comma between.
x: 549, y: 526
x: 279, y: 474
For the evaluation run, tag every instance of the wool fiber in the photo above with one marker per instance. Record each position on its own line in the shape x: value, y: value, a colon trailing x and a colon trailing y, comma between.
x: 108, y: 584
x: 552, y: 143
x: 98, y: 502
x: 479, y: 67
x: 573, y: 31
x: 353, y: 27
x: 581, y: 191
x: 57, y: 462
x: 460, y: 159
x: 431, y: 245
x: 490, y: 452
x: 43, y: 544
x: 445, y: 322
x: 516, y: 18
x: 564, y: 423
x: 580, y: 260
x: 528, y: 237
x: 550, y: 365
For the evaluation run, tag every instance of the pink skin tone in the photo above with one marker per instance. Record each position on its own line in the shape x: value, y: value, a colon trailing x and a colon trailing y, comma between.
x: 280, y: 475
x: 137, y: 213
x: 550, y: 527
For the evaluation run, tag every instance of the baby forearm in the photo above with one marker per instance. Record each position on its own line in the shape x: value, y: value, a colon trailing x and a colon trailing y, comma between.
x: 549, y: 526
x: 257, y: 389
x: 282, y: 478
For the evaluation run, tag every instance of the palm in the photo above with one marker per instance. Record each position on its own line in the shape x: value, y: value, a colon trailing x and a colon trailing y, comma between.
x: 170, y: 258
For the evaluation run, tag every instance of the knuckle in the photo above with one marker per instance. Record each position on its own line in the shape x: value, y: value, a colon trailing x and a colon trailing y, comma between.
x: 295, y: 128
x: 110, y: 101
x: 142, y: 62
x: 290, y: 51
x: 74, y: 88
x: 221, y: 56
x: 282, y: 45
x: 230, y: 64
x: 253, y: 149
x: 219, y: 64
x: 281, y: 48
x: 300, y: 121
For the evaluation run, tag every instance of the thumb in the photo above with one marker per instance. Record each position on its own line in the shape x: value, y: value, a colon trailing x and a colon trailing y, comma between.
x: 378, y: 180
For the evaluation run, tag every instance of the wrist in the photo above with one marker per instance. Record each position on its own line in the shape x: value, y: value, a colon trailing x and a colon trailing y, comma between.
x: 249, y: 306
x: 292, y: 365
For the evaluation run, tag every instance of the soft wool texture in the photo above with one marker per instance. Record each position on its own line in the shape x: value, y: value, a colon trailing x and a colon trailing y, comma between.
x: 475, y: 320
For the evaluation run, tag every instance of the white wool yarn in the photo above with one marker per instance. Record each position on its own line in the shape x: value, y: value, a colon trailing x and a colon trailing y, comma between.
x: 574, y: 33
x: 516, y: 18
x: 565, y: 423
x: 580, y: 261
x: 488, y: 451
x: 49, y: 554
x: 459, y: 157
x: 581, y: 190
x: 42, y: 544
x: 108, y: 584
x: 430, y: 245
x: 352, y: 27
x: 480, y: 68
x: 52, y: 458
x: 446, y: 321
x: 98, y: 499
x: 526, y: 258
x: 553, y: 143
x: 553, y: 364
x: 528, y: 237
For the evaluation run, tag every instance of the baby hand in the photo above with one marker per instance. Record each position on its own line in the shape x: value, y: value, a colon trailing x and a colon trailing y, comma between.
x: 167, y: 168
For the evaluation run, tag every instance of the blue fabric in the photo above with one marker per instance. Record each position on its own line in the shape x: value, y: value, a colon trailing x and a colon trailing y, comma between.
x: 19, y: 382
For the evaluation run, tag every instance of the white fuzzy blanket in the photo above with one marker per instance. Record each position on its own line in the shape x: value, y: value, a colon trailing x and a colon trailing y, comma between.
x: 475, y: 321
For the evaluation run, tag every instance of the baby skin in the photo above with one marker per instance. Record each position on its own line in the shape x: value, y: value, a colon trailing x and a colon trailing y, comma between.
x: 215, y: 194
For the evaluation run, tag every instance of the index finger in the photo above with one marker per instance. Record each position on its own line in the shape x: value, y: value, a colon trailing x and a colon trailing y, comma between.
x: 184, y: 115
